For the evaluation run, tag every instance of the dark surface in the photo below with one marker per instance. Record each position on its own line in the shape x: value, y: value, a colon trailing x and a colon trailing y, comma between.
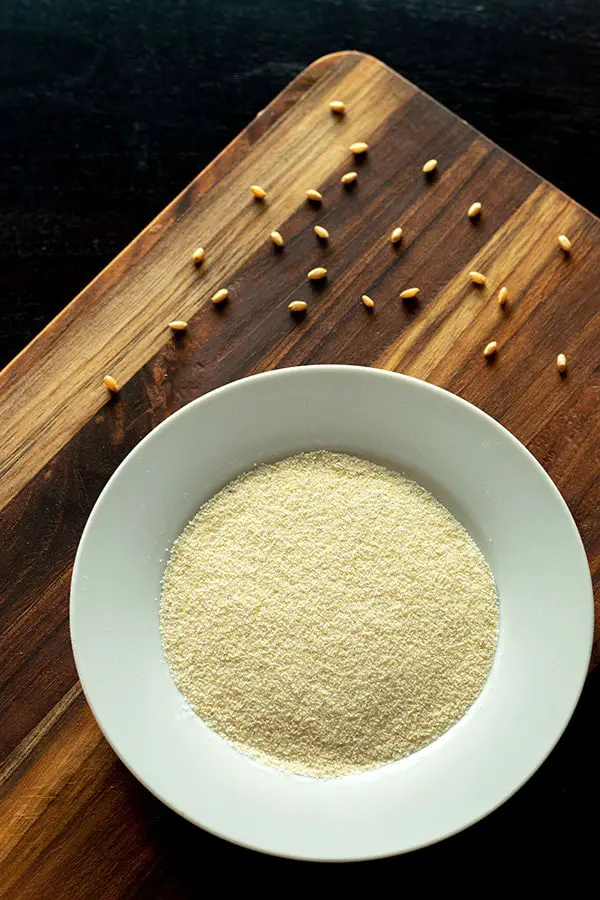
x: 108, y: 109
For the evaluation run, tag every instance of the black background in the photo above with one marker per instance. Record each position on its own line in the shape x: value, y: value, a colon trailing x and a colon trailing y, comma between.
x: 108, y: 108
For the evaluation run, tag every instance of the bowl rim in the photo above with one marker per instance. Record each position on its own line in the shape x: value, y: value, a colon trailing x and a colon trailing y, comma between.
x: 313, y: 370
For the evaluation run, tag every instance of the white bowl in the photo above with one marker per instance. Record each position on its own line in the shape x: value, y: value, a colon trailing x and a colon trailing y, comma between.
x: 474, y: 466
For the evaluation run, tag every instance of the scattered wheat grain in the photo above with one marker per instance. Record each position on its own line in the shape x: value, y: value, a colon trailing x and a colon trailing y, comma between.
x: 477, y: 277
x: 297, y: 306
x: 314, y: 196
x: 564, y: 243
x: 111, y: 384
x: 409, y: 293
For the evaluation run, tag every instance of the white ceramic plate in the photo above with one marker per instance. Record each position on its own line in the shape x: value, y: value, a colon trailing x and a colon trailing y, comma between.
x: 474, y: 466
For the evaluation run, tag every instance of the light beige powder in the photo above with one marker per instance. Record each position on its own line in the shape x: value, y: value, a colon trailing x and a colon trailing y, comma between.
x: 327, y: 615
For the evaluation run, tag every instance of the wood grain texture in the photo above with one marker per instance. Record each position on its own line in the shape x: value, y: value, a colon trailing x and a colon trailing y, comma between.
x: 65, y: 801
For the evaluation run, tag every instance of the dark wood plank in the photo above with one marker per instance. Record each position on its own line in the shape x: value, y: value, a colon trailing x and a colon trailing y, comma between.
x: 67, y: 806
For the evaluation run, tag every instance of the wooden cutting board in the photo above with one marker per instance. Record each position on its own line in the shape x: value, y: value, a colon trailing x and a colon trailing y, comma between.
x: 73, y: 822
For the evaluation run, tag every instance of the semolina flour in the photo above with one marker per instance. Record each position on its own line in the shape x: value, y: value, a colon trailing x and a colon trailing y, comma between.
x: 327, y: 615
